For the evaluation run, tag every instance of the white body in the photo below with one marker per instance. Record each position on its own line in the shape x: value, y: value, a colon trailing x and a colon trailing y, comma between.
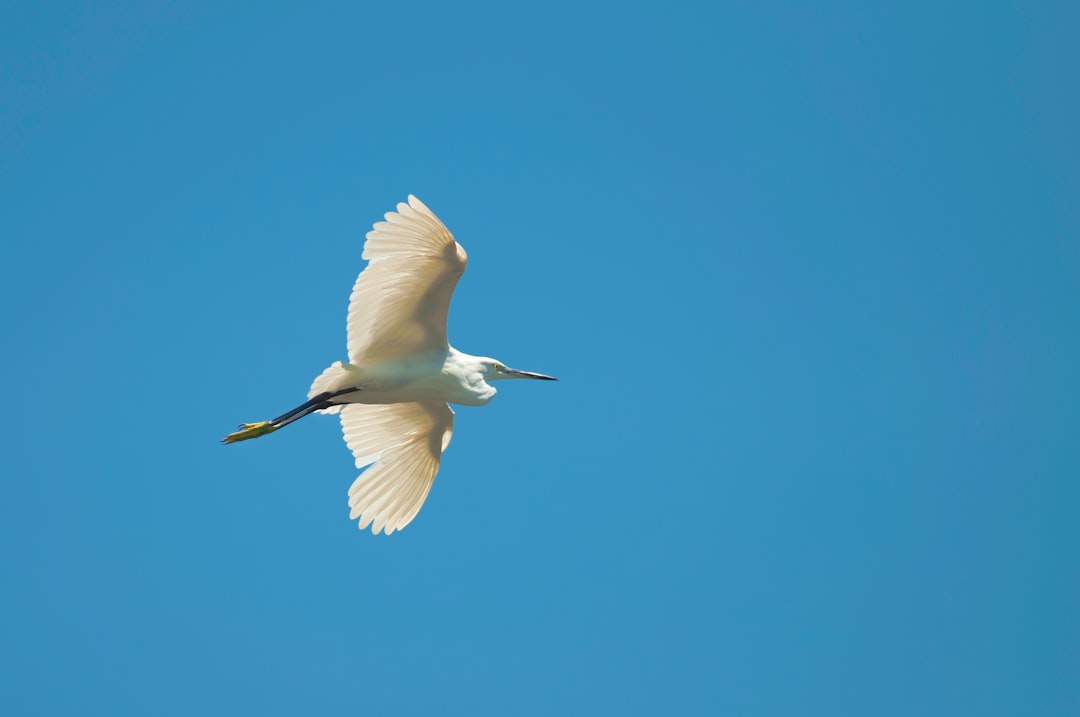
x: 448, y: 376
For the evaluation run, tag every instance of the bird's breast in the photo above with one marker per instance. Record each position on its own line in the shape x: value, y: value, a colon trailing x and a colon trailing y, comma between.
x: 402, y: 382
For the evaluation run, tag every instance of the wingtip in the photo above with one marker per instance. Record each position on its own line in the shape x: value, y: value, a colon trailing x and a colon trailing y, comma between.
x: 416, y: 204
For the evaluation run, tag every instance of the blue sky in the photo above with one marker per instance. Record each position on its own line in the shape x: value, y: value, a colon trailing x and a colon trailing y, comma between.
x: 809, y: 273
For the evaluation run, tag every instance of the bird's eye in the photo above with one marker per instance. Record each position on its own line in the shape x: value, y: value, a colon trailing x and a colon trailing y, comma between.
x: 499, y: 367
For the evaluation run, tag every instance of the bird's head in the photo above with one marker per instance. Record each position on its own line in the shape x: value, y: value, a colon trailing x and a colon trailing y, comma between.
x: 494, y: 370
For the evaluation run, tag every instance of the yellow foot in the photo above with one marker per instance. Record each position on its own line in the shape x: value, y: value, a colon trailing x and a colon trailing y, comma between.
x: 250, y: 430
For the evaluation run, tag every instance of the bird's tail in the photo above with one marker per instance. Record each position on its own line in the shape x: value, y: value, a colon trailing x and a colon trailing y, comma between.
x: 338, y: 376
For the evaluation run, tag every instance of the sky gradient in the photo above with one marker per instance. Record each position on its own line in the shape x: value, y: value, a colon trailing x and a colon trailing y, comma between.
x: 809, y: 275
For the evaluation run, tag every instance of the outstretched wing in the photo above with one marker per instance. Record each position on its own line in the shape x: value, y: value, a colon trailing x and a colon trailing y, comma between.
x: 400, y: 300
x: 401, y: 445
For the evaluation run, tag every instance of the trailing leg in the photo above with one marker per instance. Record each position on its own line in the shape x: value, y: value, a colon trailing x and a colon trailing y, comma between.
x: 316, y: 403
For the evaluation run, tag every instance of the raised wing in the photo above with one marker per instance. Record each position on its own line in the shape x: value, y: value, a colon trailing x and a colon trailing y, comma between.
x: 399, y: 303
x: 401, y: 444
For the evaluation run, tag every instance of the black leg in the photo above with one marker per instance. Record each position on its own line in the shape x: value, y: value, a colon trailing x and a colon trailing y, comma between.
x: 301, y: 408
x: 316, y: 403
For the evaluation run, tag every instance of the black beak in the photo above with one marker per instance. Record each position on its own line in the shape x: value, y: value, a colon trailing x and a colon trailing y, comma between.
x: 514, y: 373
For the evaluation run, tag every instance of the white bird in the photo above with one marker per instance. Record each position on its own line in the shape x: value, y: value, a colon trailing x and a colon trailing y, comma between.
x: 402, y: 372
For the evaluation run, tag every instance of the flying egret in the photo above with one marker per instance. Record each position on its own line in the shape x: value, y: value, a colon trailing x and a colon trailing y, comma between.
x: 393, y: 393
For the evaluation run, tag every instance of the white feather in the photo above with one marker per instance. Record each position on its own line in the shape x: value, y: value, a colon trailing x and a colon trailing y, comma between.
x: 399, y: 302
x: 401, y: 445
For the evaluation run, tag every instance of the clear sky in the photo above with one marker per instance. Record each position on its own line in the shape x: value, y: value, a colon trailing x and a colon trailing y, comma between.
x: 809, y: 274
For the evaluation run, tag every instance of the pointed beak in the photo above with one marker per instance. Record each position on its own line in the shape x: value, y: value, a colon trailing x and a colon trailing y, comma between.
x: 514, y: 373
